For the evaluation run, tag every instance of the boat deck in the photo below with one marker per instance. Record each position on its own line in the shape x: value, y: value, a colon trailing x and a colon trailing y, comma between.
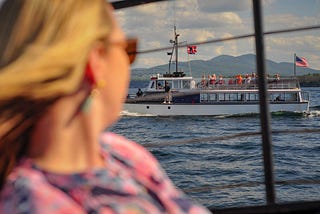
x: 288, y: 83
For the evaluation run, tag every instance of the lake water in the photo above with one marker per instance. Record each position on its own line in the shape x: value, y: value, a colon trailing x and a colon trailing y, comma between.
x: 220, y: 170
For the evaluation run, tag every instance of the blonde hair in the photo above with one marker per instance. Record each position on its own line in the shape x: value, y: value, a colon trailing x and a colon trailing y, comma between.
x: 43, y: 52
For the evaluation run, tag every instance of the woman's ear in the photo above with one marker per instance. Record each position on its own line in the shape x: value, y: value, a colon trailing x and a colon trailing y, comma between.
x: 96, y: 63
x: 89, y: 76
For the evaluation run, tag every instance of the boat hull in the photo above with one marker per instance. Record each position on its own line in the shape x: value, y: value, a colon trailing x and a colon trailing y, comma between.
x: 210, y: 109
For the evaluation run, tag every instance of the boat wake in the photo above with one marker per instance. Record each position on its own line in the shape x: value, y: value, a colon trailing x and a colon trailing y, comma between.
x: 273, y: 114
x: 236, y: 115
x: 314, y: 113
x: 133, y: 114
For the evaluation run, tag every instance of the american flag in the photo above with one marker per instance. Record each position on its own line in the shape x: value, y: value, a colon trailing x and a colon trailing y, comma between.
x: 192, y: 49
x: 302, y: 62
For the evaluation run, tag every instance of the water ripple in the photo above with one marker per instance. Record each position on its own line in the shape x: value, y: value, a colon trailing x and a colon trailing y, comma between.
x: 229, y: 172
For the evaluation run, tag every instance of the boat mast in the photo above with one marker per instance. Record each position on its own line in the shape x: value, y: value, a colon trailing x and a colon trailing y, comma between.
x: 176, y: 46
x: 294, y: 64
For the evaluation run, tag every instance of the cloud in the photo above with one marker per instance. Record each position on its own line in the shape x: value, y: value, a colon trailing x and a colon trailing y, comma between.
x: 189, y: 14
x: 212, y: 20
x: 203, y: 20
x: 158, y: 22
x: 303, y: 43
x: 150, y: 61
x: 150, y: 16
x: 204, y: 35
x: 209, y: 6
x: 156, y: 10
x: 280, y: 21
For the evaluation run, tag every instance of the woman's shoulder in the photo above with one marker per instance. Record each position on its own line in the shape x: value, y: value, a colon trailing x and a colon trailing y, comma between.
x: 127, y: 148
x: 144, y: 167
x: 26, y: 190
x: 130, y: 153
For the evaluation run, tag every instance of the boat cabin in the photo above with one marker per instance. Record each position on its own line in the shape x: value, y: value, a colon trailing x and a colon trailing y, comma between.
x: 158, y: 82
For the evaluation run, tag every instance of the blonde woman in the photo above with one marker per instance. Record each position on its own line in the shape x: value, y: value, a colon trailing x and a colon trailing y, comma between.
x: 61, y: 62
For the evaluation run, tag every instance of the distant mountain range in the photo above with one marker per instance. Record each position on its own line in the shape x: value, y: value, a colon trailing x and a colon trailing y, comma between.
x: 226, y: 65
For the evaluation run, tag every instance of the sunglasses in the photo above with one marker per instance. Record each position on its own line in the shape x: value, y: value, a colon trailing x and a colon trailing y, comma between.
x: 131, y: 49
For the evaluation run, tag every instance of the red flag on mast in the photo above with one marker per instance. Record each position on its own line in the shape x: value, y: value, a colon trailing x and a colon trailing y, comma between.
x: 192, y: 49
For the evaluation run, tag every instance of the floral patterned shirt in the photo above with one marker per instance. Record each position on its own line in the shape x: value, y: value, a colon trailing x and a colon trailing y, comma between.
x: 132, y: 183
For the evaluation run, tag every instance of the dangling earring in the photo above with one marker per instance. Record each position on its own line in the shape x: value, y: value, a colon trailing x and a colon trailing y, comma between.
x: 85, y: 106
x: 93, y: 93
x: 87, y: 102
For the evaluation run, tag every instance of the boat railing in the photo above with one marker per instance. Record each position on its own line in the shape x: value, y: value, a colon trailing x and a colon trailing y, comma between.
x: 272, y: 84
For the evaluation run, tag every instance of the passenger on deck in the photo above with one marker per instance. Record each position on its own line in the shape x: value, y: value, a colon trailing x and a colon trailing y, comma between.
x: 203, y: 81
x: 253, y: 77
x: 239, y: 79
x: 139, y: 93
x: 212, y: 79
x: 220, y: 81
x: 276, y: 78
x: 167, y: 89
x: 192, y: 84
x: 231, y: 81
x: 248, y: 79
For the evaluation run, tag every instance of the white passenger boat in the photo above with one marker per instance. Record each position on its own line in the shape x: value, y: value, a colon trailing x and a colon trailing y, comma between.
x: 189, y: 96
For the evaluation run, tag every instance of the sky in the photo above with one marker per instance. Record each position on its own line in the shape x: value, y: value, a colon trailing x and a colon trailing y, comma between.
x: 202, y: 20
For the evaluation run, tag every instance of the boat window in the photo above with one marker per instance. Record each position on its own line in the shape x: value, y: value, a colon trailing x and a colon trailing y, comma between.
x: 234, y: 97
x: 203, y: 97
x: 212, y: 97
x: 160, y: 85
x: 273, y: 97
x: 252, y: 97
x: 152, y: 84
x: 221, y: 97
x: 186, y: 84
x: 291, y: 97
x: 229, y: 97
x: 226, y: 97
x: 176, y: 84
x: 277, y: 97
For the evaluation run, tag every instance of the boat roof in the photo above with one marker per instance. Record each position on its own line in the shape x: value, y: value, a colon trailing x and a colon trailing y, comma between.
x: 174, y: 78
x: 247, y: 90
